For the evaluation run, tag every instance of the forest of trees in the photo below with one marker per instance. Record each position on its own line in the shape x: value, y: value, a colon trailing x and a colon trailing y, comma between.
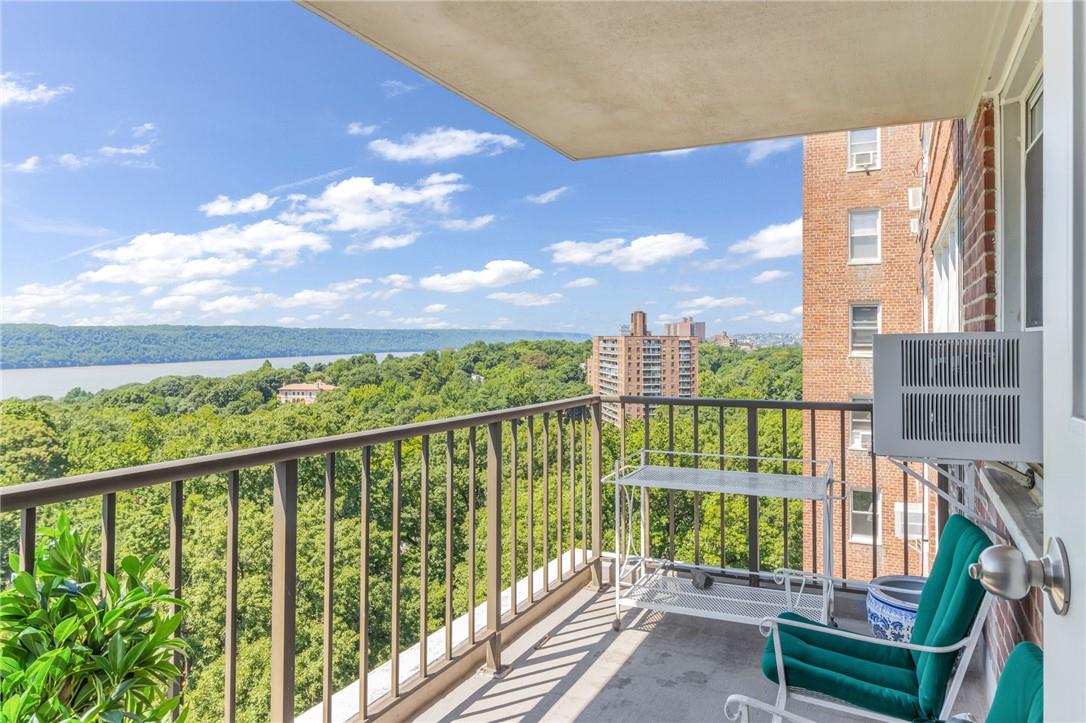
x: 45, y: 345
x: 177, y: 417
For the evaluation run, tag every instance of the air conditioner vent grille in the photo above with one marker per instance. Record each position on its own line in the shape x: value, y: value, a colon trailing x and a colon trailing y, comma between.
x: 967, y: 396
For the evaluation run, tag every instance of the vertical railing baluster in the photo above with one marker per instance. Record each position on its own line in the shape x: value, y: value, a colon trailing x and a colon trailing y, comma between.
x: 531, y: 509
x: 397, y: 471
x: 584, y: 485
x: 494, y: 546
x: 904, y: 519
x: 844, y: 500
x: 364, y: 584
x: 471, y: 534
x: 449, y: 439
x: 622, y: 433
x: 597, y: 502
x: 513, y: 424
x: 671, y: 493
x: 177, y: 518
x: 28, y: 535
x: 230, y: 651
x: 785, y: 500
x: 874, y: 517
x: 424, y: 551
x: 572, y: 490
x: 697, y: 495
x: 645, y: 490
x: 558, y: 489
x: 546, y: 502
x: 109, y: 532
x: 329, y: 579
x: 284, y: 587
x: 721, y: 500
x: 753, y: 561
x: 814, y: 504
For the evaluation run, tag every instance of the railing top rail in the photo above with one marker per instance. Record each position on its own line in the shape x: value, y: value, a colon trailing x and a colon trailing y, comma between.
x: 33, y: 494
x: 739, y: 403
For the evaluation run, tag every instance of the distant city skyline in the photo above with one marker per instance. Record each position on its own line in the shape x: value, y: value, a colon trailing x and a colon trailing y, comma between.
x: 153, y: 172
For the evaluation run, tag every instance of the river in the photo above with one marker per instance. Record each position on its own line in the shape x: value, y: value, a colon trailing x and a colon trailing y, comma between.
x: 58, y: 381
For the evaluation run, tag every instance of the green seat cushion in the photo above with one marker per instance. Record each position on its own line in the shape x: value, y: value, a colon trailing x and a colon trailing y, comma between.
x: 948, y: 606
x: 876, y: 677
x: 1019, y: 697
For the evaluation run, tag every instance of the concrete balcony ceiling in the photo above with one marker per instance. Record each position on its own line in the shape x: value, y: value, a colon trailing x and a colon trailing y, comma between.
x: 594, y: 79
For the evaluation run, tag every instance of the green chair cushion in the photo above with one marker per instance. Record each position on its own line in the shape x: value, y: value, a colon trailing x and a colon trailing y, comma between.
x: 1019, y: 697
x: 876, y: 677
x: 948, y: 606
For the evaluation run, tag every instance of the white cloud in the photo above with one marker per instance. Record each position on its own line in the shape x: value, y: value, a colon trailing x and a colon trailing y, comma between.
x: 143, y: 130
x: 770, y: 275
x: 204, y: 287
x: 525, y: 298
x: 397, y: 281
x: 442, y: 144
x: 31, y: 164
x: 436, y: 308
x: 73, y: 162
x: 772, y: 242
x: 797, y: 311
x: 141, y: 149
x: 224, y: 206
x: 581, y: 283
x: 500, y: 272
x: 343, y: 317
x: 384, y: 242
x: 636, y: 255
x: 151, y: 258
x: 683, y: 288
x: 384, y: 313
x: 760, y: 150
x: 702, y: 303
x: 675, y: 152
x: 30, y: 302
x: 424, y: 322
x: 500, y: 323
x: 233, y: 304
x: 774, y: 317
x: 393, y: 88
x: 467, y: 224
x: 778, y: 317
x: 14, y: 91
x: 360, y: 203
x: 287, y: 320
x: 547, y: 196
x: 175, y: 301
x: 361, y: 129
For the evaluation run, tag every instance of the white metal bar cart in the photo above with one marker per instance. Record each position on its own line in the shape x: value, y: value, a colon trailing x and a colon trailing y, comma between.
x: 653, y: 583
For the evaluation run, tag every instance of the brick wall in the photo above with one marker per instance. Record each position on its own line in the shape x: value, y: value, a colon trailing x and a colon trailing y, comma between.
x: 979, y: 222
x: 830, y: 284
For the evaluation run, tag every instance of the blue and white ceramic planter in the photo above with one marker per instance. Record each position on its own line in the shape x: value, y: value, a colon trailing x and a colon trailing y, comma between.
x: 892, y: 613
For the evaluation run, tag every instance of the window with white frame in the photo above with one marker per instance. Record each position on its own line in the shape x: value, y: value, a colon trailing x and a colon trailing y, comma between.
x: 860, y: 426
x: 863, y: 149
x: 946, y: 255
x: 864, y: 235
x: 1033, y: 206
x: 863, y: 324
x: 861, y: 516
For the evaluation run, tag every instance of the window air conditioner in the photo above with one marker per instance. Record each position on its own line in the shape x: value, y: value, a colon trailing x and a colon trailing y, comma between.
x: 863, y: 159
x: 967, y: 396
x: 916, y: 199
x: 916, y: 521
x: 865, y: 440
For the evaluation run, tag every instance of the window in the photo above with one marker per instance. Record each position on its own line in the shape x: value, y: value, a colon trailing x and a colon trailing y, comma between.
x: 862, y: 516
x: 863, y: 149
x: 860, y: 426
x: 946, y: 301
x: 863, y: 325
x: 864, y: 235
x: 1033, y: 206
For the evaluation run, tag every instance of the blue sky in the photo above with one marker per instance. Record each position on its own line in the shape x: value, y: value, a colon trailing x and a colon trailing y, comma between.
x: 251, y: 163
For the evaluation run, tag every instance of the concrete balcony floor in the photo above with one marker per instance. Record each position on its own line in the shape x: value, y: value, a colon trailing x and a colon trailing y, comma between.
x: 659, y: 667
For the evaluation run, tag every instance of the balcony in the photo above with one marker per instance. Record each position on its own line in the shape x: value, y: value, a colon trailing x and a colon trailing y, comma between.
x: 516, y: 492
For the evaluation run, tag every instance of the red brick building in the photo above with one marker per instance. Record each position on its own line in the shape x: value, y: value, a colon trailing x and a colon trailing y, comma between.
x: 861, y: 200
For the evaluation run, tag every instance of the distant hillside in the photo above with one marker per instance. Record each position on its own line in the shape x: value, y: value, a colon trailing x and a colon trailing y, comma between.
x: 45, y: 345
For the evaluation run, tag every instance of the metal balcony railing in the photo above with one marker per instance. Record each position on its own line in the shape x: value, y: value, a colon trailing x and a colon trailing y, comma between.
x: 564, y: 435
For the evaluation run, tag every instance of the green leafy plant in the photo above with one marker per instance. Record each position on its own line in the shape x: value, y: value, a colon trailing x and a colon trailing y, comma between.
x: 76, y: 644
